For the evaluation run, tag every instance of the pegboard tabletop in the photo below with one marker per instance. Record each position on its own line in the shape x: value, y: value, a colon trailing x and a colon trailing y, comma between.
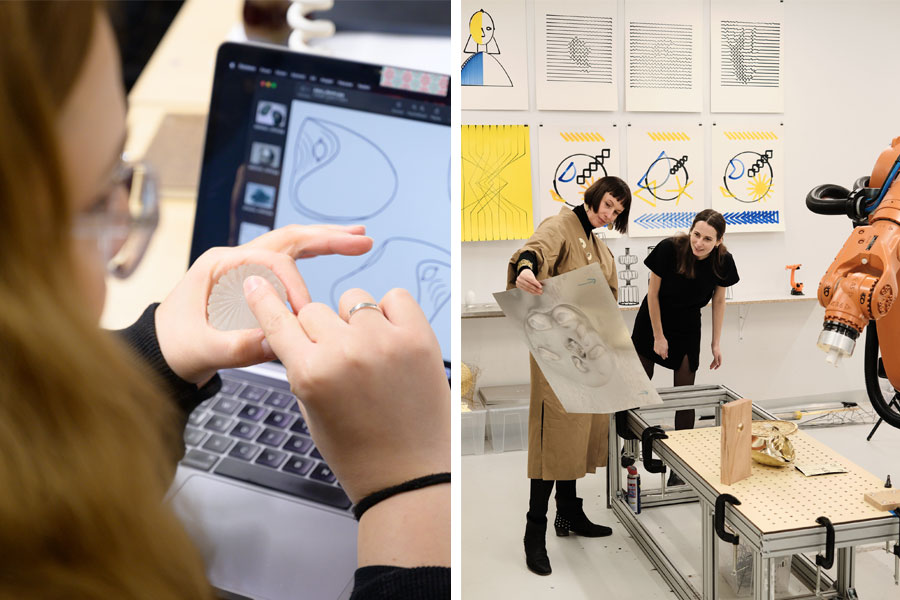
x: 781, y: 498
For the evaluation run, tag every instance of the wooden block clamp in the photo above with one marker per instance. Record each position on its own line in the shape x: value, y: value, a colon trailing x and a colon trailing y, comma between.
x: 737, y: 419
x: 884, y: 499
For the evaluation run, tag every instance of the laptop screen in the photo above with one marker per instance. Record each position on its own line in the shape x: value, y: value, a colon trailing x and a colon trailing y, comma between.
x: 295, y: 138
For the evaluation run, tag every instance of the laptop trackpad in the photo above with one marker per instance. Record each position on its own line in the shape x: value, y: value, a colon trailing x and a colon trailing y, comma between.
x: 265, y: 546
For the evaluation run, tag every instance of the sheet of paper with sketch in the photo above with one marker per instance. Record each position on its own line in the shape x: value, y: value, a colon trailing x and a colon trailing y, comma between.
x: 576, y: 334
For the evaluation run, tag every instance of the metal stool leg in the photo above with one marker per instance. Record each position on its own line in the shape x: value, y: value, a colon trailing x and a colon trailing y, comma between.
x: 892, y: 404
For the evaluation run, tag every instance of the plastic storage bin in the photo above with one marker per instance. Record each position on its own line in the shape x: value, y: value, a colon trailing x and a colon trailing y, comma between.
x: 472, y: 426
x: 509, y: 427
x: 741, y: 582
x: 504, y: 395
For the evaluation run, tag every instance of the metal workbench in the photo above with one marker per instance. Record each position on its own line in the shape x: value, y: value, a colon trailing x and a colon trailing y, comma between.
x: 778, y: 507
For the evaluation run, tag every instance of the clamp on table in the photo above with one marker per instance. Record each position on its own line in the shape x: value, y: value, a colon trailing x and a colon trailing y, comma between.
x: 629, y: 447
x: 827, y: 561
x: 728, y: 538
x: 654, y: 465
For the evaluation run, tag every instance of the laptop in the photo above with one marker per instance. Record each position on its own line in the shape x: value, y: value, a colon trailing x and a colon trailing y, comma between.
x: 295, y: 138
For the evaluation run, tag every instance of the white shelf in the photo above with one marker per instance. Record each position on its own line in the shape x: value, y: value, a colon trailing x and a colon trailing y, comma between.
x: 492, y: 309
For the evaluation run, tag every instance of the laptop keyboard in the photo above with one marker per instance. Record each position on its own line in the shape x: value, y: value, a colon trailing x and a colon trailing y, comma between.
x: 252, y: 431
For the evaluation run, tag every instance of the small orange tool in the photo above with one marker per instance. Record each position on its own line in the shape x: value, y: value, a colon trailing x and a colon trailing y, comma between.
x: 796, y: 288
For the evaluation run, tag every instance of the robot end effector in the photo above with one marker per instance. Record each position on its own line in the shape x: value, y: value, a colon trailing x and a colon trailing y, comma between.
x: 861, y: 284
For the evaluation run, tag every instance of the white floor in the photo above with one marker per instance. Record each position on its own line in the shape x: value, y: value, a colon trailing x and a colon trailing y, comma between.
x: 495, y: 500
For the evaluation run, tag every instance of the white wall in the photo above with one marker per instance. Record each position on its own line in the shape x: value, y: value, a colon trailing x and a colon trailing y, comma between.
x: 842, y: 107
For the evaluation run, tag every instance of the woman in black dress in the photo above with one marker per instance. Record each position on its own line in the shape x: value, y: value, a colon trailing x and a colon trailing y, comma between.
x: 686, y: 272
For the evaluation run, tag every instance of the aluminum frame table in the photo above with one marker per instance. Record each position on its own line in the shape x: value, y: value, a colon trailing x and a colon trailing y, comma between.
x: 767, y: 546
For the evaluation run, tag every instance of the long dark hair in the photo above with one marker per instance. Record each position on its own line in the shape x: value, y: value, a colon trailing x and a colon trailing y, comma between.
x: 619, y: 190
x: 684, y: 256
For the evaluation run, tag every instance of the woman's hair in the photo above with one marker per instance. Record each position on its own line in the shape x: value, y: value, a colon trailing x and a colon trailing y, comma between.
x: 619, y: 190
x: 89, y: 443
x: 684, y: 256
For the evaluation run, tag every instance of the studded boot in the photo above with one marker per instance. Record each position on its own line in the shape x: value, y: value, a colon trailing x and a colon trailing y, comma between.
x: 570, y: 517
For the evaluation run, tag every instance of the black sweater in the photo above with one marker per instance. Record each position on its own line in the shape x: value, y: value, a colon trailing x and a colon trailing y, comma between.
x: 370, y: 583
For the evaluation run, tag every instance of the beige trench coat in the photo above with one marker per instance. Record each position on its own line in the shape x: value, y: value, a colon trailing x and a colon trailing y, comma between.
x: 563, y: 446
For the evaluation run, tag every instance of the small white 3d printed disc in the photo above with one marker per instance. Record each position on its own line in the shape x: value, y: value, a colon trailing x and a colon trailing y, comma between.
x: 227, y: 308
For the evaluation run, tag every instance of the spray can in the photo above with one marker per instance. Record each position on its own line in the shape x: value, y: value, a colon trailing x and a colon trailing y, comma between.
x: 634, y: 490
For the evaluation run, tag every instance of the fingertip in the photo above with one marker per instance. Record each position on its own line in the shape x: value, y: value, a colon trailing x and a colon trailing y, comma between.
x: 400, y: 308
x: 251, y: 284
x: 256, y: 292
x: 362, y: 243
x: 395, y: 294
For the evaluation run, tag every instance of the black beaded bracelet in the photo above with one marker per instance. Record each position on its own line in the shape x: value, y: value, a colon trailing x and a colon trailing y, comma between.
x: 408, y: 486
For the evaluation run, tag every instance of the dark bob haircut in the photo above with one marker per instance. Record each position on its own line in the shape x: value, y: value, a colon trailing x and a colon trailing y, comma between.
x: 619, y: 190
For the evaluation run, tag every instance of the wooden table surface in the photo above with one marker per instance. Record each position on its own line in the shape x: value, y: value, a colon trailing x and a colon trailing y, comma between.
x: 782, y: 498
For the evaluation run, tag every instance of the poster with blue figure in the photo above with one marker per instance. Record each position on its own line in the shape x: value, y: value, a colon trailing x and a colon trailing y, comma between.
x: 483, y: 66
x: 493, y: 62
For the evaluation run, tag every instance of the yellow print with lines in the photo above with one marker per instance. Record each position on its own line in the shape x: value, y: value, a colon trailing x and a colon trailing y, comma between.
x: 496, y: 183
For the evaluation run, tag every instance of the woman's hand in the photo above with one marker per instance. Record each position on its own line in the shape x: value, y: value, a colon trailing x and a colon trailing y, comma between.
x: 372, y: 385
x: 528, y: 282
x: 195, y: 350
x: 718, y: 315
x: 661, y: 347
x: 717, y: 357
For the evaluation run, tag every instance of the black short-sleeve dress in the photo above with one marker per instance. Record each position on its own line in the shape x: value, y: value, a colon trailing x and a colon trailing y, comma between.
x: 680, y: 301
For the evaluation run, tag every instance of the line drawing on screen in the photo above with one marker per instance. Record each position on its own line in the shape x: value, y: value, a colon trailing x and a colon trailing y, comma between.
x: 370, y: 164
x: 483, y: 68
x: 751, y: 54
x: 579, y: 48
x: 404, y: 259
x: 327, y: 154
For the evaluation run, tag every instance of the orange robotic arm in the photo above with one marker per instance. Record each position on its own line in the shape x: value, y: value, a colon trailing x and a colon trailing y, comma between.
x: 861, y: 284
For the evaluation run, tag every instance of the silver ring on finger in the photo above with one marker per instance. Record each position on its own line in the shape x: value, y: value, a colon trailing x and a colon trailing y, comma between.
x: 361, y: 306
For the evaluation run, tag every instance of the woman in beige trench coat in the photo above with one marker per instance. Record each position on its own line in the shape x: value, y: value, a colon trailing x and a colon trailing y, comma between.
x: 563, y: 447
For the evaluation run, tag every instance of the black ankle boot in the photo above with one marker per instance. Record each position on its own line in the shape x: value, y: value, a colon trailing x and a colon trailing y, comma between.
x: 535, y: 546
x: 674, y: 479
x: 570, y: 517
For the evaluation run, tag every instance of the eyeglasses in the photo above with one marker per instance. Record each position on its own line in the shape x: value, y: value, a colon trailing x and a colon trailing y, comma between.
x: 124, y: 221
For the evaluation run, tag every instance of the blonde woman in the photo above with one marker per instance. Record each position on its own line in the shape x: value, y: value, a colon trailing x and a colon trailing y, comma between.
x: 91, y: 429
